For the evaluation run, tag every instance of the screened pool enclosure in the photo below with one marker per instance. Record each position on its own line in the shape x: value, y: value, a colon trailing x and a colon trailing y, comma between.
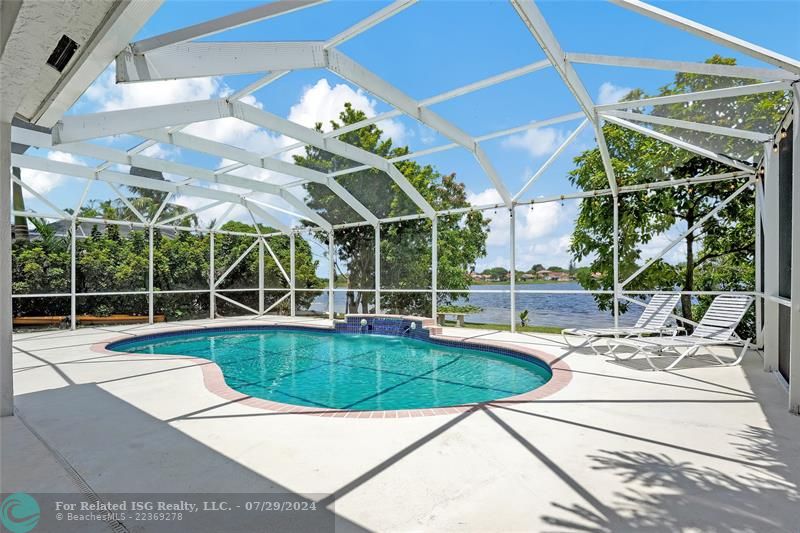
x: 336, y: 229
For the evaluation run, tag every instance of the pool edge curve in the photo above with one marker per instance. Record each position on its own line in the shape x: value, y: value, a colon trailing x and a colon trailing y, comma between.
x: 214, y: 380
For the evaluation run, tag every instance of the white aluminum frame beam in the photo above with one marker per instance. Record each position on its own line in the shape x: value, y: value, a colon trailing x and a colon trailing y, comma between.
x: 172, y: 56
x: 794, y: 333
x: 275, y: 259
x: 769, y: 217
x: 551, y: 159
x: 238, y: 260
x: 540, y: 29
x: 196, y: 59
x: 220, y: 24
x: 693, y: 126
x: 226, y: 151
x: 683, y: 235
x: 188, y: 213
x: 710, y: 34
x: 709, y: 69
x: 42, y: 140
x: 60, y: 212
x: 437, y: 99
x: 352, y: 71
x: 727, y: 92
x: 679, y: 143
x: 485, y: 83
x: 107, y: 123
x: 109, y: 176
x: 259, y: 84
x: 493, y: 135
x: 369, y: 22
x: 273, y: 122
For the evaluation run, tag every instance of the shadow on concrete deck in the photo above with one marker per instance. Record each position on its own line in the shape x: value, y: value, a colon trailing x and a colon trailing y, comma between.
x: 118, y: 448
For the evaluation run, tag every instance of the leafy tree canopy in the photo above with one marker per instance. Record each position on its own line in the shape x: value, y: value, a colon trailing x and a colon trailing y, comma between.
x: 405, y: 246
x: 717, y: 256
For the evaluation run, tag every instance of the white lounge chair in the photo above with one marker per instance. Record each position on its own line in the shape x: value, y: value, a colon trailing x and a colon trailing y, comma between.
x: 653, y: 321
x: 716, y: 328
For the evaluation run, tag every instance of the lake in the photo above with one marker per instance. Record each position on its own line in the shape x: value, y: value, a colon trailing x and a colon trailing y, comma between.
x: 559, y: 310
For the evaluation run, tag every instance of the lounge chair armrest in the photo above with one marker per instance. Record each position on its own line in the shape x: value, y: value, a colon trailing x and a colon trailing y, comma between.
x: 674, y: 330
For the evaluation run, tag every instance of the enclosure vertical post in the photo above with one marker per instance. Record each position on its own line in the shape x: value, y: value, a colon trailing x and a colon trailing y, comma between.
x: 616, y: 261
x: 150, y: 303
x: 378, y: 268
x: 6, y: 361
x: 260, y: 276
x: 291, y: 274
x: 434, y: 264
x: 331, y: 275
x: 794, y: 339
x: 212, y: 300
x: 73, y: 266
x: 770, y: 266
x: 513, y: 268
x: 759, y: 287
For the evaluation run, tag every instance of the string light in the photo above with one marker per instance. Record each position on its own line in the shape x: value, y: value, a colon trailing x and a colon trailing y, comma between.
x: 784, y: 133
x: 775, y: 147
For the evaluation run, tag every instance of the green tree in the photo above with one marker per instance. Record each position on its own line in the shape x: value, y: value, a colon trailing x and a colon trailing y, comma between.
x: 405, y: 246
x: 497, y: 273
x: 719, y: 255
x: 111, y: 260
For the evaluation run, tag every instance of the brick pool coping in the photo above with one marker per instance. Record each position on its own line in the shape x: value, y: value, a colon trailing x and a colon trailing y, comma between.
x: 214, y: 380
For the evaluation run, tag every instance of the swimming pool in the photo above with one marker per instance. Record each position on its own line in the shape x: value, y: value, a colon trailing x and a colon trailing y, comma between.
x: 359, y: 372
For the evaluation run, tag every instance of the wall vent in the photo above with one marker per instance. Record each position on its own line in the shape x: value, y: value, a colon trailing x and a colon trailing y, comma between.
x: 62, y: 53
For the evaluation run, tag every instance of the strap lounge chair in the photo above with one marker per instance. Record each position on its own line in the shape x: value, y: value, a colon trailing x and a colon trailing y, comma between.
x: 652, y: 322
x: 716, y: 328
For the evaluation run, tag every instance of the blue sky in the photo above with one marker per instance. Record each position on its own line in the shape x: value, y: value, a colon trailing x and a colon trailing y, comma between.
x: 430, y: 48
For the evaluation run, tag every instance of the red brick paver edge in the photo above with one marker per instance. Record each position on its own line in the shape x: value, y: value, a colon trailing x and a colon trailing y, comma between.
x: 214, y: 380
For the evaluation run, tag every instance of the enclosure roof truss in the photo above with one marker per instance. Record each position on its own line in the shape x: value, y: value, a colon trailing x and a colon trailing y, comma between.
x: 178, y: 54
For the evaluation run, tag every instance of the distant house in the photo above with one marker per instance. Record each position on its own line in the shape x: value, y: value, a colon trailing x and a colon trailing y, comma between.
x: 550, y: 275
x: 480, y: 277
x: 528, y: 275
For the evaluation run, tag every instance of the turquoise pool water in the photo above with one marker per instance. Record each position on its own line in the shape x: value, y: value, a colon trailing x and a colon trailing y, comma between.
x: 351, y: 371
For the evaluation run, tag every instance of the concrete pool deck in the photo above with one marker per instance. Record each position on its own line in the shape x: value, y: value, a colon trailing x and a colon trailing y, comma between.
x: 618, y: 449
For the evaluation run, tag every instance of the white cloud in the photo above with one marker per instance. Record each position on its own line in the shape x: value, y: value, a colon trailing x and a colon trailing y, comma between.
x: 427, y: 135
x: 542, y: 233
x: 110, y: 96
x: 162, y: 151
x: 537, y: 142
x: 322, y: 102
x: 499, y: 225
x: 44, y: 182
x: 611, y: 94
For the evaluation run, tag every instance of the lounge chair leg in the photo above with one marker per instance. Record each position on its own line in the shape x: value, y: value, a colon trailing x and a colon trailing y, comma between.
x: 690, y: 351
x: 581, y: 345
x: 626, y: 356
x: 742, y: 353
